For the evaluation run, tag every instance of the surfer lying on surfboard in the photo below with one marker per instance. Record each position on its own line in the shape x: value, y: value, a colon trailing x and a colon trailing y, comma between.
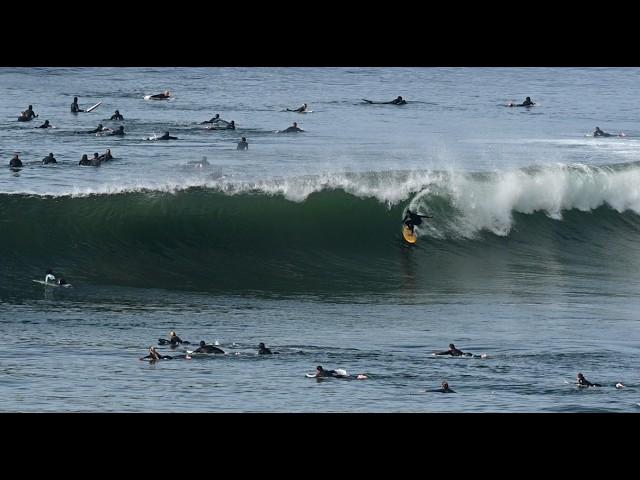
x: 161, y: 96
x: 454, y: 352
x: 397, y: 101
x: 338, y: 373
x: 301, y: 109
x: 527, y: 103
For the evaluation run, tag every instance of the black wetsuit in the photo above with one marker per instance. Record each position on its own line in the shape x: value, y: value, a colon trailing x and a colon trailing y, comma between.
x: 215, y: 119
x: 46, y: 160
x: 444, y: 390
x: 208, y: 349
x: 27, y: 115
x: 96, y: 130
x: 160, y: 96
x: 398, y: 102
x: 116, y: 132
x: 583, y: 382
x: 15, y: 163
x: 75, y: 108
x: 411, y: 219
x: 600, y: 133
x: 292, y: 129
x: 85, y: 162
x: 117, y: 116
x: 45, y: 125
x: 105, y: 157
x: 243, y: 146
x: 264, y: 351
x: 166, y: 136
x: 454, y: 352
x: 326, y: 373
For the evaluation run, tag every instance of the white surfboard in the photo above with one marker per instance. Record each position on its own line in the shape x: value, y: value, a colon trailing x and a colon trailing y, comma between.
x: 50, y: 284
x: 91, y: 109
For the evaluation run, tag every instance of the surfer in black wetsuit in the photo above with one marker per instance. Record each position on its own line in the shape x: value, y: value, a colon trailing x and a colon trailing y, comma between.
x: 321, y: 372
x: 215, y: 119
x: 99, y: 128
x: 454, y: 352
x: 397, y: 101
x: 263, y: 350
x: 74, y: 106
x: 45, y: 125
x: 527, y: 103
x: 293, y: 128
x: 445, y: 388
x: 412, y: 219
x: 105, y: 157
x: 15, y: 162
x: 161, y: 96
x: 204, y: 348
x: 119, y: 131
x: 85, y: 162
x: 117, y: 116
x: 48, y: 159
x: 27, y: 115
x: 154, y: 355
x: 583, y: 382
x: 174, y: 339
x: 599, y: 133
x: 166, y: 136
x: 62, y: 281
x: 301, y: 109
x: 242, y: 144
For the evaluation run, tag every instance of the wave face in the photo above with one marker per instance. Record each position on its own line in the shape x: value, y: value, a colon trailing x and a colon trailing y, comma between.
x: 331, y: 234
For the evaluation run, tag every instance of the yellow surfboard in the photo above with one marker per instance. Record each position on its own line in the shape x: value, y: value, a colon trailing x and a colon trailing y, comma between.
x: 408, y: 235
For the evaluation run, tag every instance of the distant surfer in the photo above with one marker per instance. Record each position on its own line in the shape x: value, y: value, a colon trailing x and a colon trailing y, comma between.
x: 105, y: 157
x: 174, y: 339
x: 154, y: 355
x: 62, y: 282
x: 117, y: 132
x: 291, y: 129
x: 49, y: 159
x: 166, y: 136
x: 116, y: 116
x: 223, y: 125
x: 161, y: 96
x: 49, y: 277
x: 99, y: 128
x: 599, y: 133
x: 85, y: 162
x: 45, y: 125
x: 321, y: 372
x: 204, y: 348
x: 263, y: 350
x: 301, y: 109
x: 454, y: 352
x: 397, y: 101
x: 444, y: 388
x: 27, y: 115
x: 583, y: 382
x: 412, y: 219
x: 215, y: 119
x: 242, y: 144
x: 527, y: 103
x: 15, y: 162
x: 74, y: 106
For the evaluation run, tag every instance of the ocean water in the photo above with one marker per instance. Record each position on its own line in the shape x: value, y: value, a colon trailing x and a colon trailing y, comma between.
x: 531, y: 258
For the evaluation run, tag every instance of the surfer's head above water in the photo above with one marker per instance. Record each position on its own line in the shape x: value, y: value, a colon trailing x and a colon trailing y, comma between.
x: 202, y: 344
